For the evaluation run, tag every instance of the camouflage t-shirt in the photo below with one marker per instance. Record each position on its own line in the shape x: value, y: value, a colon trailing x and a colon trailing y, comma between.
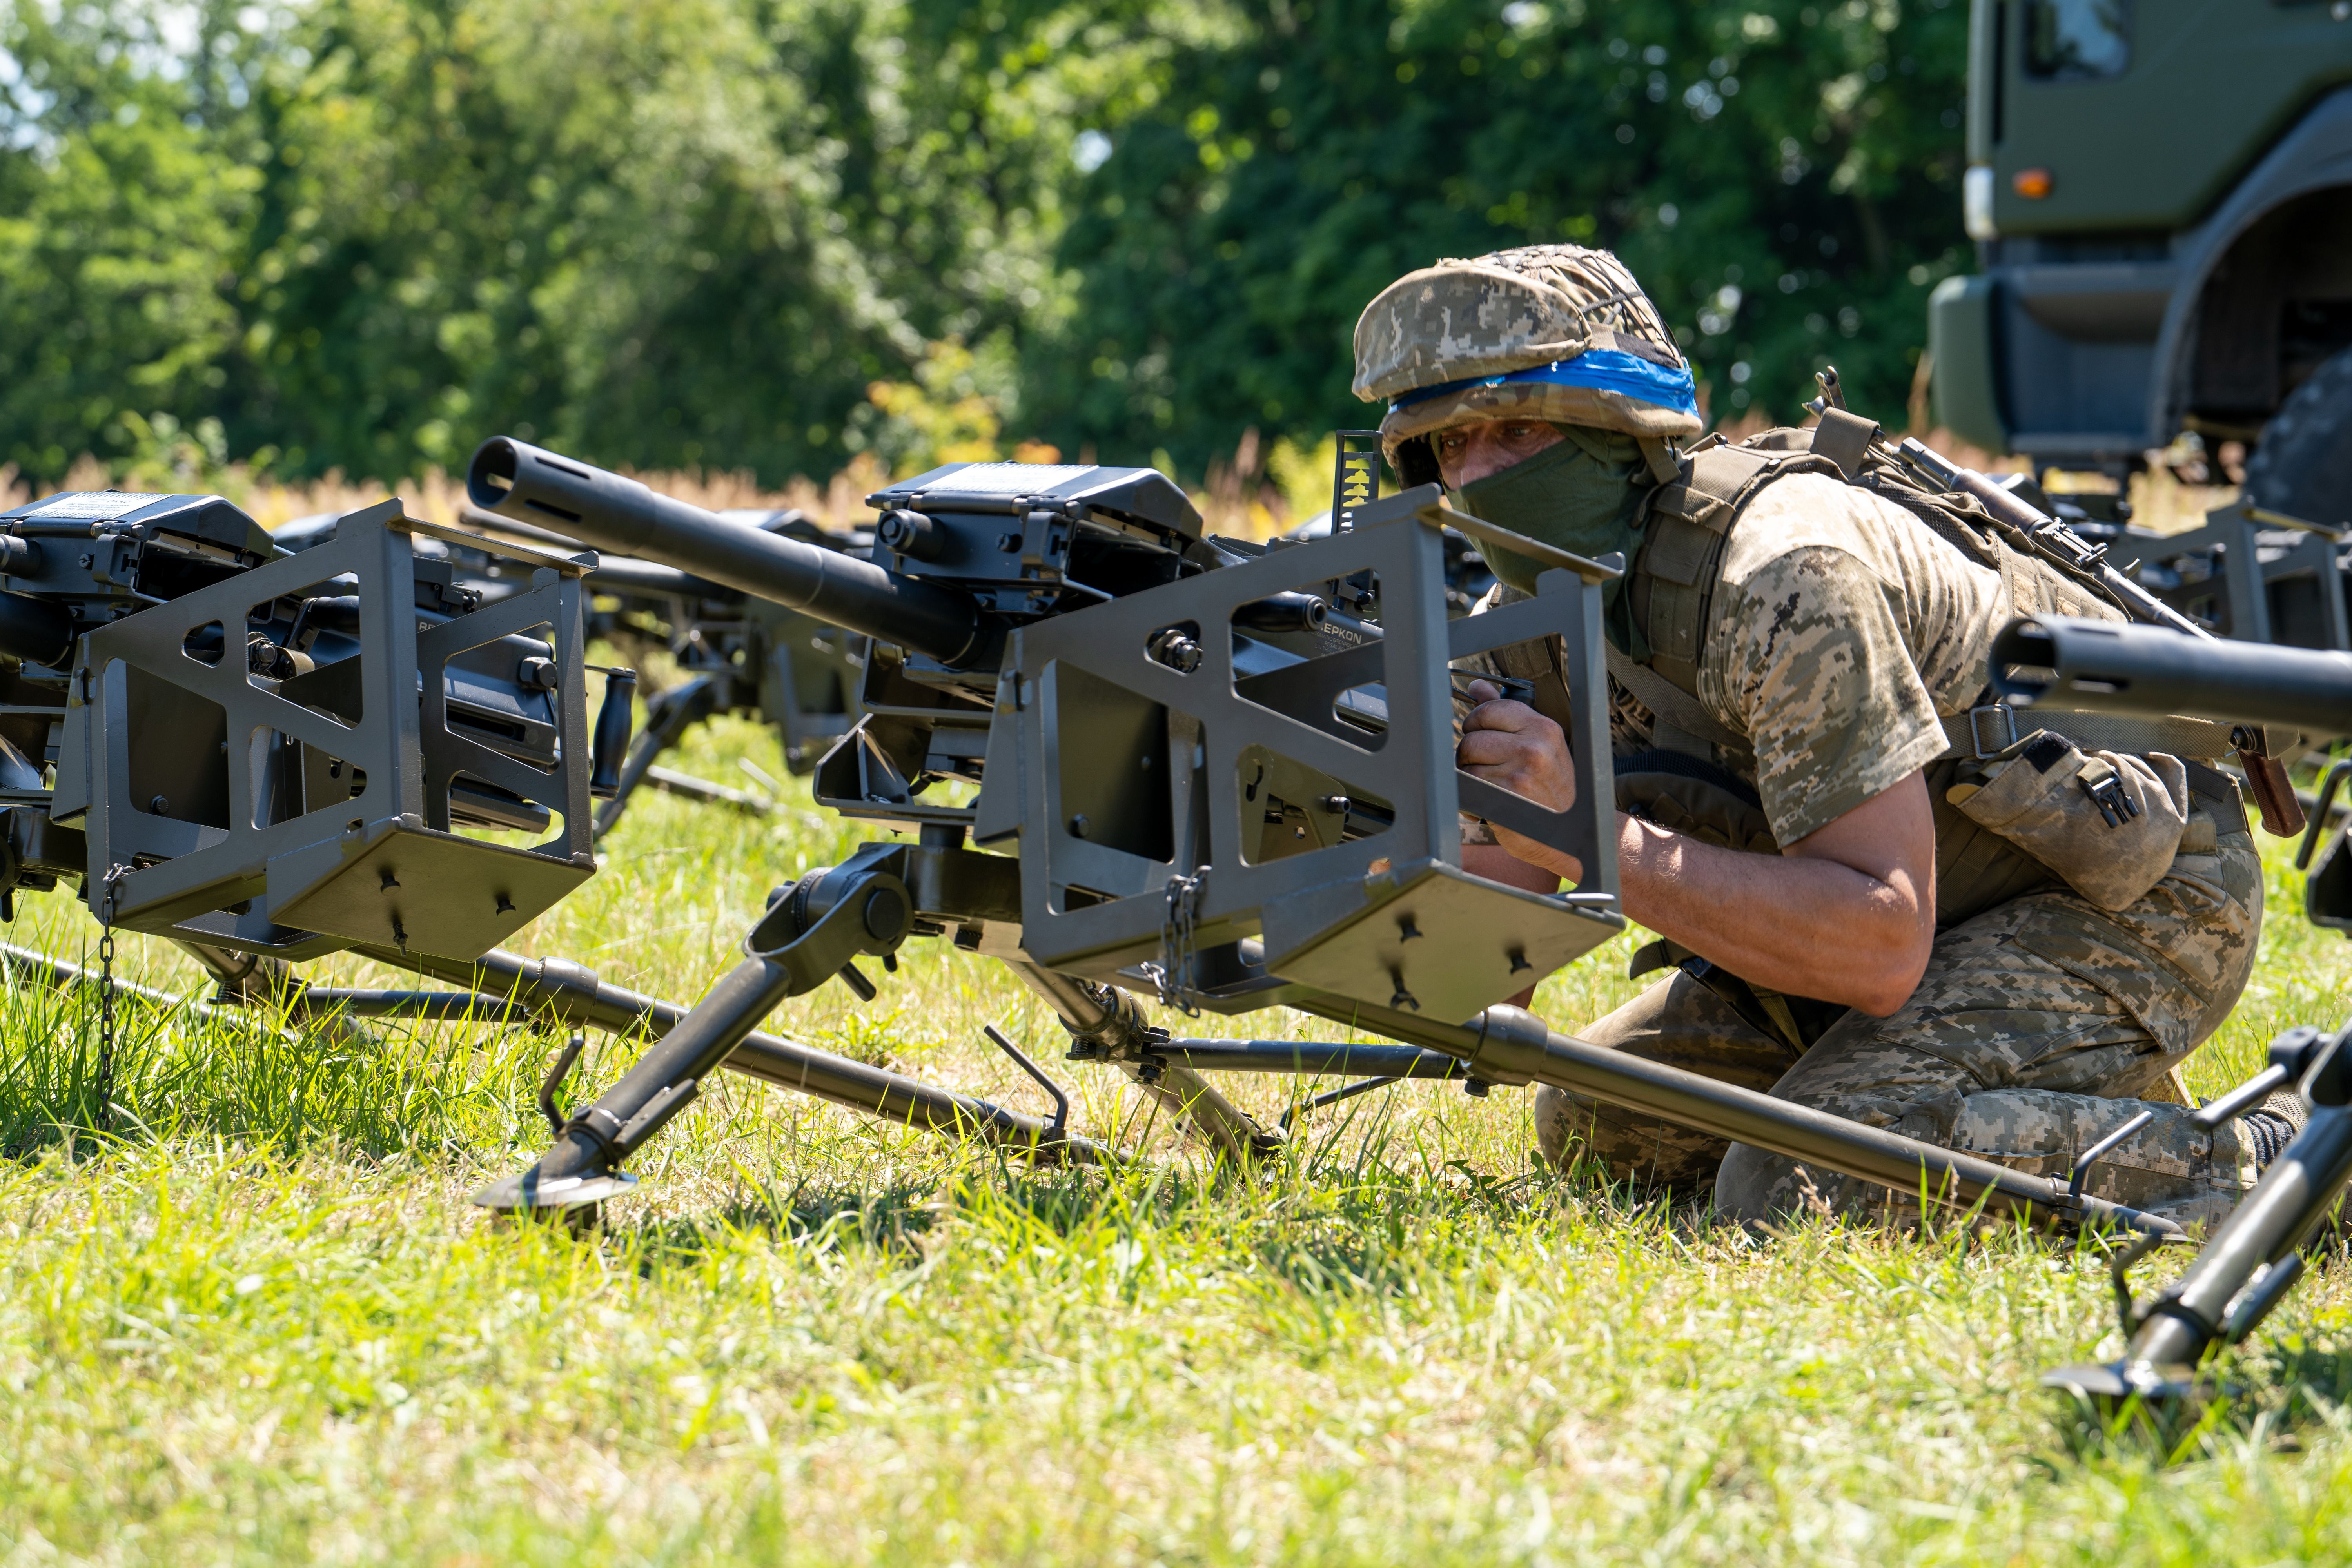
x: 1842, y: 630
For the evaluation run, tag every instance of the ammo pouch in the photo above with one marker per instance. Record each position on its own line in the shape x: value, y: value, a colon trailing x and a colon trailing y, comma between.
x: 2107, y: 822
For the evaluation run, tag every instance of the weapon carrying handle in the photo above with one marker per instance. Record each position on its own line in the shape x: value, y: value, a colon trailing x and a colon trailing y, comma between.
x: 614, y: 722
x: 2267, y: 781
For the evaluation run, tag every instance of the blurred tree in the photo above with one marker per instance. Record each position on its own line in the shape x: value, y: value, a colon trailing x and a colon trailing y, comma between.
x: 124, y: 191
x: 664, y: 233
x: 1782, y: 176
x: 362, y: 234
x: 611, y: 223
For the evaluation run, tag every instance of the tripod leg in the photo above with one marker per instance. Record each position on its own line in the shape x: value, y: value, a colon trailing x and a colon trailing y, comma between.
x: 583, y: 1164
x: 832, y: 916
x: 570, y: 993
x: 1506, y: 1045
x: 238, y: 976
x: 245, y: 979
x: 1112, y: 1022
x: 2236, y: 1277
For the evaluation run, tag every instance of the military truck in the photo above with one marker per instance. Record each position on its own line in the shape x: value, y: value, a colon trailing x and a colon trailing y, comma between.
x: 2162, y: 195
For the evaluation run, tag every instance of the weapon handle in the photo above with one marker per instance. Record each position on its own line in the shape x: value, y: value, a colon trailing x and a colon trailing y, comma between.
x: 614, y: 720
x: 2274, y: 794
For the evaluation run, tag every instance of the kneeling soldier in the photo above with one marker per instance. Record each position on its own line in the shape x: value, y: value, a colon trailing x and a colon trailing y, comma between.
x: 1876, y: 897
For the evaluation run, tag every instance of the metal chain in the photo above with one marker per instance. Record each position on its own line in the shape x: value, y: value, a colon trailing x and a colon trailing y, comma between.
x: 111, y: 887
x: 1171, y: 977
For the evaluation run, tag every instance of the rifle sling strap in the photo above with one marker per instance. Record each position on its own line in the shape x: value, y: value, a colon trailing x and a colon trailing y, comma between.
x: 1670, y: 705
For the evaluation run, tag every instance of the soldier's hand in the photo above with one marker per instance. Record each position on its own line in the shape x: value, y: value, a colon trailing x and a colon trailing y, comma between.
x: 1511, y: 744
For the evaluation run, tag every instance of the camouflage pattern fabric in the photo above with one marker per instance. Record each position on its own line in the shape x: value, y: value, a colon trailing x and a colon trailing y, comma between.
x: 2036, y: 1025
x: 1513, y: 311
x: 1840, y: 634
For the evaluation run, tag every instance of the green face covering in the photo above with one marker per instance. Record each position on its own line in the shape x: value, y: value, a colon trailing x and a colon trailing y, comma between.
x: 1584, y: 496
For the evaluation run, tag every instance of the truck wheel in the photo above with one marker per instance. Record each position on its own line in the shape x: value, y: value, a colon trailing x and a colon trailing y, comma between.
x: 2304, y: 466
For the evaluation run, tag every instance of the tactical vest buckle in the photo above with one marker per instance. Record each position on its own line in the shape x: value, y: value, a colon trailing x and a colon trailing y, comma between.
x: 2007, y: 733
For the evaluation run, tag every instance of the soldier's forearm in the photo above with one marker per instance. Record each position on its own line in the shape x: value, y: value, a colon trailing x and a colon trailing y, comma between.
x: 1806, y: 927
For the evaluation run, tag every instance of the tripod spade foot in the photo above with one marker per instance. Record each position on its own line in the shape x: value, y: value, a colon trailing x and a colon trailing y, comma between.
x: 525, y: 1192
x: 2106, y: 1387
x: 2139, y: 1404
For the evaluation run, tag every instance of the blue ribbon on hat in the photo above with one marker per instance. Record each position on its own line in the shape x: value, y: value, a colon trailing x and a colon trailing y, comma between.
x: 1603, y: 370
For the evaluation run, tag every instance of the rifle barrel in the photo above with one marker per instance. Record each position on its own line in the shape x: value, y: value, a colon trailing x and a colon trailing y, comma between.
x: 2055, y: 536
x: 623, y: 574
x: 2116, y: 669
x: 599, y: 508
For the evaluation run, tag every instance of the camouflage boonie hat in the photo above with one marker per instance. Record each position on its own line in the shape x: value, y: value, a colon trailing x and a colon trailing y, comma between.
x: 1555, y: 332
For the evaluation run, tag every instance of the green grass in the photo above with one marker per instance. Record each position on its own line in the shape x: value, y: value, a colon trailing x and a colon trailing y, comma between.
x: 259, y: 1322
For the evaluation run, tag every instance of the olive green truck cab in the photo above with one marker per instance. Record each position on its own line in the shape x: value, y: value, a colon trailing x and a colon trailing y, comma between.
x: 2161, y: 194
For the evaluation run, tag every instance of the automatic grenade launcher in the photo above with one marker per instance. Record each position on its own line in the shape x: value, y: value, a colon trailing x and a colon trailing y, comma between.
x: 1134, y: 758
x: 239, y: 747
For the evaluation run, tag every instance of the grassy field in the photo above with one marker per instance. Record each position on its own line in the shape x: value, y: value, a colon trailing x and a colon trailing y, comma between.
x: 261, y: 1324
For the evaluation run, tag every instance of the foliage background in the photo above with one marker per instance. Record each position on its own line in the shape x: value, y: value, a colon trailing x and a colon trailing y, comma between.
x: 771, y: 235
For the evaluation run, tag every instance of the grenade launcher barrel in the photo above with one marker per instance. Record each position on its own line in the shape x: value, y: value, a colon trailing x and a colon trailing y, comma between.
x: 607, y: 511
x: 2148, y: 670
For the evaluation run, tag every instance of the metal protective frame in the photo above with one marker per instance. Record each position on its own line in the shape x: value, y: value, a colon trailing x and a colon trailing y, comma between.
x: 384, y: 866
x: 1389, y: 918
x: 2236, y: 529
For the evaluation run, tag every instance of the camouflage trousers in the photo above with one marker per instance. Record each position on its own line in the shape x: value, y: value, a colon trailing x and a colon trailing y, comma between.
x: 2037, y: 1027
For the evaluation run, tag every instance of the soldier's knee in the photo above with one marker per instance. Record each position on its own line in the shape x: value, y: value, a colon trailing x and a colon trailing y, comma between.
x: 1563, y: 1122
x: 1629, y: 1148
x: 1755, y: 1184
x: 1569, y: 1128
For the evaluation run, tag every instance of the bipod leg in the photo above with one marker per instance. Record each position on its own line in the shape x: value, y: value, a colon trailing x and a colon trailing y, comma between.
x: 1107, y: 1025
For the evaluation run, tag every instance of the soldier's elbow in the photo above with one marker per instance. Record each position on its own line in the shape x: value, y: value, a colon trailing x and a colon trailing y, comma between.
x: 1885, y: 1001
x: 1883, y: 992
